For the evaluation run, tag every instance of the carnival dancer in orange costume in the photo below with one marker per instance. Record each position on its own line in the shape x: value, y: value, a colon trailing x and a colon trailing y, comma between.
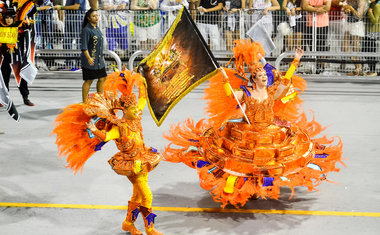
x: 100, y: 116
x: 239, y: 154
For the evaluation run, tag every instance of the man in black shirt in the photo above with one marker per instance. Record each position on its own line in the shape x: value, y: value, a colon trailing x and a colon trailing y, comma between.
x: 207, y: 21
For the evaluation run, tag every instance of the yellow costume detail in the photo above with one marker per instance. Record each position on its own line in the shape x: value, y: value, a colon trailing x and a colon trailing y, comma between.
x: 114, y: 133
x: 141, y: 191
x: 141, y: 104
x: 230, y: 184
x: 292, y: 69
x: 289, y: 97
x: 227, y: 88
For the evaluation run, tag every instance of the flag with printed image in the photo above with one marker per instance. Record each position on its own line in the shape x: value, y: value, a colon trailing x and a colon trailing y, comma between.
x: 179, y: 63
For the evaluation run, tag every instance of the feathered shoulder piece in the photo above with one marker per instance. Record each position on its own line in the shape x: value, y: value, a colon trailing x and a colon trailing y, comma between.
x: 104, y: 106
x: 221, y: 107
x: 73, y: 140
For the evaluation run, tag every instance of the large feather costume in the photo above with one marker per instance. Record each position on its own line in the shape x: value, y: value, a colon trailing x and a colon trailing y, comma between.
x: 236, y: 161
x: 76, y: 142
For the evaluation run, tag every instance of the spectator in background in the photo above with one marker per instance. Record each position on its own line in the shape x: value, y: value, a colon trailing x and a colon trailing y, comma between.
x: 45, y: 15
x: 146, y: 21
x: 336, y: 26
x: 372, y: 35
x: 355, y: 29
x: 263, y: 10
x: 93, y: 66
x: 321, y: 8
x: 233, y: 8
x: 293, y: 10
x: 208, y: 18
x: 59, y: 12
x: 74, y: 14
x: 94, y: 4
x: 45, y: 11
x: 117, y: 29
x: 172, y: 7
x: 193, y: 9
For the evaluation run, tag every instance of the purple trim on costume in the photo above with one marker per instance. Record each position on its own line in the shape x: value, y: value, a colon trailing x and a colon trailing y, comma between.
x: 150, y: 218
x: 245, y: 89
x: 153, y: 150
x: 135, y: 213
x: 324, y: 155
x: 201, y: 163
x: 268, y: 69
x: 99, y: 146
x: 268, y: 181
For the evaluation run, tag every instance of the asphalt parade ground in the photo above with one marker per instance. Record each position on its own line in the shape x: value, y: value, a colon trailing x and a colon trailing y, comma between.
x: 38, y: 195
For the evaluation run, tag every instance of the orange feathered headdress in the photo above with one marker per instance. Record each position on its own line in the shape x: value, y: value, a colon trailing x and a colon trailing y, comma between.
x: 122, y: 83
x: 247, y: 53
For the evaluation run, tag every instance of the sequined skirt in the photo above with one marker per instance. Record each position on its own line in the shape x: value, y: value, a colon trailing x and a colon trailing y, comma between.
x: 124, y: 163
x: 243, y: 151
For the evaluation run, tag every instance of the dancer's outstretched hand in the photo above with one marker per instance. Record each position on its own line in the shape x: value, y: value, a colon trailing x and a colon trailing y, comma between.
x: 90, y: 125
x: 298, y: 53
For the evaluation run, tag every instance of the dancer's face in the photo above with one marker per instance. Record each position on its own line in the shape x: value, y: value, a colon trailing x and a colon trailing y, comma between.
x: 131, y: 113
x: 261, y: 79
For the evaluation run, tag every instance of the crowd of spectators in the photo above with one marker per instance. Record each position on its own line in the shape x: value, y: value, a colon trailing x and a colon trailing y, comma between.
x: 316, y: 25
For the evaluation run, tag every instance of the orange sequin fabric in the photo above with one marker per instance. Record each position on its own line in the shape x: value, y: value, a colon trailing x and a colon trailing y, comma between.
x: 132, y: 149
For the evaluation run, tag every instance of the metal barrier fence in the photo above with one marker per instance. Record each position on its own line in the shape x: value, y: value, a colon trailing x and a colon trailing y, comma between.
x: 127, y: 31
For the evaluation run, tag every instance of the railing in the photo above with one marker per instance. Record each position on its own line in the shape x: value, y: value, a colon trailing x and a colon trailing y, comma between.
x: 315, y: 57
x: 124, y: 35
x: 73, y: 55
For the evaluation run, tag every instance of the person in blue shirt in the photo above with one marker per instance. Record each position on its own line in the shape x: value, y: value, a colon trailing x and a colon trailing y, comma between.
x: 93, y: 66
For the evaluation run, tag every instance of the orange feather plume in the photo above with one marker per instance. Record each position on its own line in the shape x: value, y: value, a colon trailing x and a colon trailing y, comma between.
x: 72, y: 140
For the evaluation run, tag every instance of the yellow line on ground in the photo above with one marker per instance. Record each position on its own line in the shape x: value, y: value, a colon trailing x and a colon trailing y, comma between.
x: 194, y: 209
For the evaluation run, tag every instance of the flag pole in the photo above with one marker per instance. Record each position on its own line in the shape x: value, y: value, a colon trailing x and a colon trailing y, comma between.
x: 237, y: 100
x: 221, y: 69
x: 213, y: 59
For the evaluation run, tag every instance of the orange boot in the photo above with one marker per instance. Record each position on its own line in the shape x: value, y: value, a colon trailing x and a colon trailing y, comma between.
x: 149, y: 221
x: 133, y: 211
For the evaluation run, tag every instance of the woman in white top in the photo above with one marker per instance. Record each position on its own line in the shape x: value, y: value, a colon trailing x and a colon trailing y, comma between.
x: 171, y: 8
x: 263, y: 10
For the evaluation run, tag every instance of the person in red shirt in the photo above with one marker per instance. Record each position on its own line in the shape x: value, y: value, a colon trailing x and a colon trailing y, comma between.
x: 321, y: 8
